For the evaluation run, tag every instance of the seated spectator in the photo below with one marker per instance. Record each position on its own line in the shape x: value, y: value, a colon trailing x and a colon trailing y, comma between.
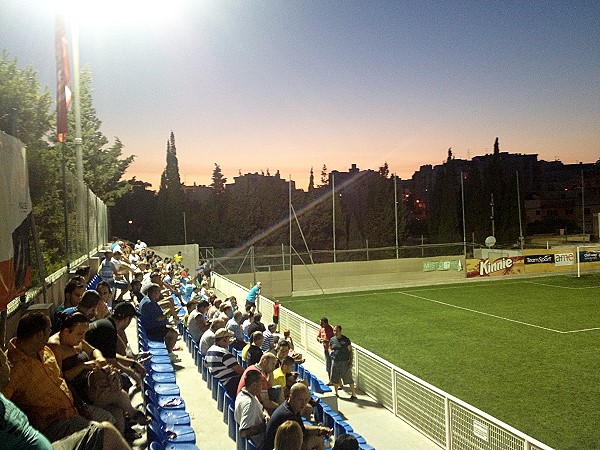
x: 248, y: 319
x: 198, y: 321
x: 76, y: 359
x: 87, y: 306
x: 72, y: 296
x: 253, y: 353
x: 136, y: 292
x: 288, y: 436
x: 37, y: 388
x: 280, y: 375
x: 291, y: 409
x: 208, y: 337
x: 268, y: 343
x: 105, y: 334
x: 84, y: 272
x: 189, y: 307
x: 249, y: 413
x: 105, y: 291
x: 155, y: 321
x: 287, y: 335
x: 281, y: 350
x: 222, y: 364
x: 346, y: 442
x: 256, y: 325
x: 268, y: 397
x: 233, y: 325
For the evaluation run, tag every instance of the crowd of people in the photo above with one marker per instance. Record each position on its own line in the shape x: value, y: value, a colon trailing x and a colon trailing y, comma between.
x: 66, y: 379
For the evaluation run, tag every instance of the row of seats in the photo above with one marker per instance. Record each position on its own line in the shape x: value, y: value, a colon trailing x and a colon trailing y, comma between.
x: 170, y: 427
x: 323, y: 413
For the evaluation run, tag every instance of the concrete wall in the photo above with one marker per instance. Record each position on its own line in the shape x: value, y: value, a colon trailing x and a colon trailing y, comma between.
x: 350, y: 276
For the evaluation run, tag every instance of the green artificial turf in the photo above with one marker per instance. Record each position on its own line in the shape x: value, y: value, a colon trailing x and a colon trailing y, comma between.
x: 515, y: 349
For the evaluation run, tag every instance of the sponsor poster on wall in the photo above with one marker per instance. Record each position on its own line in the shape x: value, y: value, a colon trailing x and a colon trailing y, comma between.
x: 564, y: 259
x: 589, y: 256
x: 492, y: 267
x: 539, y: 259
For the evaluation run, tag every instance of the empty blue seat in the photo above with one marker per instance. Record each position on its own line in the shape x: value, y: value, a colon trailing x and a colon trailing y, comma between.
x: 171, y: 446
x: 184, y: 434
x: 180, y: 416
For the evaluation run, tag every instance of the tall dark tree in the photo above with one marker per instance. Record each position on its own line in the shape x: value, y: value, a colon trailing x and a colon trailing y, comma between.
x: 218, y: 180
x: 445, y: 210
x: 496, y: 147
x: 384, y: 171
x: 324, y: 177
x: 311, y: 181
x: 170, y: 200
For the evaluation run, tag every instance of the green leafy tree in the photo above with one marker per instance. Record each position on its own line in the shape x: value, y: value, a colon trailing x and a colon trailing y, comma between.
x: 25, y: 114
x: 103, y: 165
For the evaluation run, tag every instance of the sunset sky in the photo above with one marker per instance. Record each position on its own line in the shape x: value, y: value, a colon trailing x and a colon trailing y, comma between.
x: 288, y: 85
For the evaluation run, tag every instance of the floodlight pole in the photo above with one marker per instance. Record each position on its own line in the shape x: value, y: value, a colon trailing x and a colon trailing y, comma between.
x: 333, y: 211
x: 290, y: 232
x: 582, y: 207
x: 396, y: 212
x: 462, y: 194
x: 520, y: 220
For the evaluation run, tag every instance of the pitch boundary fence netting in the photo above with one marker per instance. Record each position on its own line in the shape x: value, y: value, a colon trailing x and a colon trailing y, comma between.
x: 444, y: 419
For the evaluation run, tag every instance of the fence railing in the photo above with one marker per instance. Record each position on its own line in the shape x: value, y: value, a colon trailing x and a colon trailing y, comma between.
x: 444, y: 419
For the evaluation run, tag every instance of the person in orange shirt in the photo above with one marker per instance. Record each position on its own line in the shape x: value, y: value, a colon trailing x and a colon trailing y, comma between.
x: 38, y: 389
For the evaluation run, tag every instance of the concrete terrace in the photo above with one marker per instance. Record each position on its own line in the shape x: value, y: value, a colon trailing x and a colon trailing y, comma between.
x: 376, y: 424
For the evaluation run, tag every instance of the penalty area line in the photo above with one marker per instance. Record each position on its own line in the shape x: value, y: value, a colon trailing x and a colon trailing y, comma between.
x: 484, y: 313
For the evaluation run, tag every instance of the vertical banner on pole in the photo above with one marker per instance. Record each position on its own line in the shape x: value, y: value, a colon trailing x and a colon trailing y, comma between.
x: 15, y: 221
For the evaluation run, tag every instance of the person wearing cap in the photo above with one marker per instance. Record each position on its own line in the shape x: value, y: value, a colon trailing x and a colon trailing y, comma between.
x: 222, y: 364
x: 103, y: 334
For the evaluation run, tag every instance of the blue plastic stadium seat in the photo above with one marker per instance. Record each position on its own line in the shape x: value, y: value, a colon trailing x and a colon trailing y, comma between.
x: 161, y: 388
x: 180, y: 417
x: 184, y: 434
x: 231, y: 425
x: 170, y: 446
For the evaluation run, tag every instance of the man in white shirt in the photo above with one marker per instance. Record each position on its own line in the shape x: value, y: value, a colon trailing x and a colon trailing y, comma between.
x: 249, y: 413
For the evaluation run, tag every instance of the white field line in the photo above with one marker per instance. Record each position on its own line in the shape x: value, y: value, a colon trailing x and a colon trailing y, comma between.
x: 562, y: 287
x: 409, y: 294
x: 483, y: 313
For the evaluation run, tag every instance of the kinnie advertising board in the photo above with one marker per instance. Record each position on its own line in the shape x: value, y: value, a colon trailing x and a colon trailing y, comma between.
x: 492, y: 267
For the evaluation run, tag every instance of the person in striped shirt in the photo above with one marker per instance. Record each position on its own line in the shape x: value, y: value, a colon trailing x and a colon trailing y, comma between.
x: 222, y: 364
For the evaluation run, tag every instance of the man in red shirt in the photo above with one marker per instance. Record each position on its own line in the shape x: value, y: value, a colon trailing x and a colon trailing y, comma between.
x: 325, y: 333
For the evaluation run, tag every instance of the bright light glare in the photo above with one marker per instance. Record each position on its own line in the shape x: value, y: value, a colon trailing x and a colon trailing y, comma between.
x: 114, y: 12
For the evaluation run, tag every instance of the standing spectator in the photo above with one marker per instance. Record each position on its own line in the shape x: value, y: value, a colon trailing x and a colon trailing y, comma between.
x: 253, y: 296
x: 222, y: 364
x: 155, y: 321
x: 323, y: 336
x: 340, y: 349
x: 249, y: 413
x: 292, y: 409
x: 276, y: 314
